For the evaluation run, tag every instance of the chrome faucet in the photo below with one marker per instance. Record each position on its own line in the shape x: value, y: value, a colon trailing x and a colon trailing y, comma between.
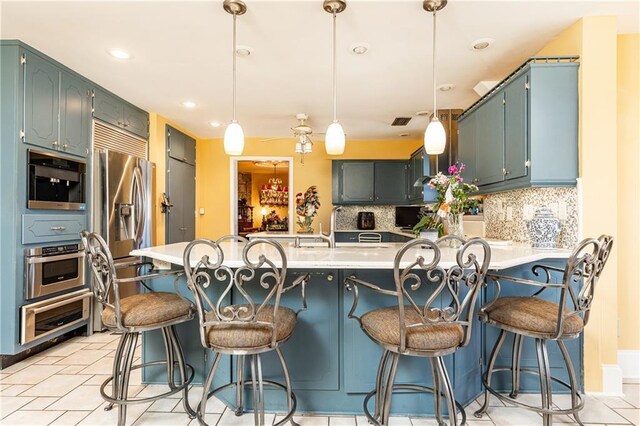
x: 331, y: 238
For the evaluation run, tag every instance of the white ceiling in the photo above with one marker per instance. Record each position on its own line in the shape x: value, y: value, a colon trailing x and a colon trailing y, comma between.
x: 182, y: 52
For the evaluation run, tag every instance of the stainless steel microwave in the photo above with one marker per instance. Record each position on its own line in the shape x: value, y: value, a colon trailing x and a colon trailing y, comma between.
x: 53, y: 269
x: 55, y: 183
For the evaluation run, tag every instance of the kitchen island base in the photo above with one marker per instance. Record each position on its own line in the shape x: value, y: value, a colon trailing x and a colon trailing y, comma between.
x: 333, y: 364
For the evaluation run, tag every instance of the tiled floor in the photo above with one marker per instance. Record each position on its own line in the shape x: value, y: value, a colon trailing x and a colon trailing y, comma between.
x: 61, y: 387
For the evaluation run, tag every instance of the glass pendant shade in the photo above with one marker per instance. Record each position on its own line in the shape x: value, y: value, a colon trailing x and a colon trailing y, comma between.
x: 299, y: 148
x: 233, y: 139
x: 334, y: 140
x: 435, y: 137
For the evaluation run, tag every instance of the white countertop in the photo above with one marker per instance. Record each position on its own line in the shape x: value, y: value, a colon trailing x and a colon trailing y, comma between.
x: 348, y: 255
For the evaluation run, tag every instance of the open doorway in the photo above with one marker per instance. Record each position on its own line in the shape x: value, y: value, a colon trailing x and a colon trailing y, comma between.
x: 261, y: 195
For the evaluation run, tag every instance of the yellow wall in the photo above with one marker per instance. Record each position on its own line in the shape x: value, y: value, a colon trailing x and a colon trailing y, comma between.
x: 628, y: 190
x: 594, y: 39
x: 157, y: 154
x: 212, y: 174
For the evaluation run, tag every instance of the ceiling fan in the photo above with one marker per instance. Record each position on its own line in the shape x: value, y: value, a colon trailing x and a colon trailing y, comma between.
x: 302, y: 133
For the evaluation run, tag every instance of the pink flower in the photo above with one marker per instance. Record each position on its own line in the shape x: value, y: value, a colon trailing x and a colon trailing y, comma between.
x: 453, y: 169
x: 461, y: 167
x: 459, y: 179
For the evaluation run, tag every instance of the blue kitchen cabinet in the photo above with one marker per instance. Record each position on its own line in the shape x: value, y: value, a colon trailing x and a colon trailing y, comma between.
x: 75, y: 114
x: 416, y: 173
x: 41, y: 101
x: 524, y: 133
x: 119, y: 113
x: 57, y: 106
x: 370, y: 182
x: 390, y: 182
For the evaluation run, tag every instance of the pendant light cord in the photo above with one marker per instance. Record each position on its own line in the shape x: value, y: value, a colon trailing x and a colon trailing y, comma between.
x: 335, y: 74
x: 235, y: 15
x: 435, y: 110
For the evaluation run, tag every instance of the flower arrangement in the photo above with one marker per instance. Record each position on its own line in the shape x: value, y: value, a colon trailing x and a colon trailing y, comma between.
x: 273, y: 221
x: 307, y: 206
x: 453, y: 200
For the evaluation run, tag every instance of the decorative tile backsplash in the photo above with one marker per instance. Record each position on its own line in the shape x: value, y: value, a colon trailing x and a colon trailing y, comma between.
x: 385, y: 217
x: 506, y: 213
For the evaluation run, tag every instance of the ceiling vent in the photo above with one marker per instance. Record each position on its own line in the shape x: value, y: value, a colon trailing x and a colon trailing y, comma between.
x: 401, y: 121
x: 484, y: 86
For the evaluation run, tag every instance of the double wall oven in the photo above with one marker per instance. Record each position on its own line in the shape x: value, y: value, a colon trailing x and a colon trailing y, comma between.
x: 56, y: 298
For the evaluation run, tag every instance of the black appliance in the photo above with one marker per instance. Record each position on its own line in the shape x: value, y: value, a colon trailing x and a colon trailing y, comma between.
x: 407, y: 216
x: 55, y: 183
x: 366, y: 221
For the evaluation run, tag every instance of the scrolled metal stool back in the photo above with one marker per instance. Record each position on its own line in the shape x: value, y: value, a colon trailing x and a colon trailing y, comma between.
x: 205, y: 272
x: 468, y: 271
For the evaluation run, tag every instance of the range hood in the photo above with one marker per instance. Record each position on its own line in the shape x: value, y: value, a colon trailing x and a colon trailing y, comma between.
x: 449, y: 119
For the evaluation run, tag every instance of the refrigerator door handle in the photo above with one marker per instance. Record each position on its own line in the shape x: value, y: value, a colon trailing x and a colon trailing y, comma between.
x: 140, y: 205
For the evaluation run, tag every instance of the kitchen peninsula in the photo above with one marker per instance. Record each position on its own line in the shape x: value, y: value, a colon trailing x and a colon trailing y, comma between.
x: 331, y: 361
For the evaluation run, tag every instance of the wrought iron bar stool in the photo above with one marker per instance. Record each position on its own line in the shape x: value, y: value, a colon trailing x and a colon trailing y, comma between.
x: 251, y: 328
x: 132, y: 315
x: 544, y: 320
x: 423, y: 329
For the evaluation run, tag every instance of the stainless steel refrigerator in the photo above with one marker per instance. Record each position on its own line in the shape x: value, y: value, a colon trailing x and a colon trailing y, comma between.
x: 122, y: 211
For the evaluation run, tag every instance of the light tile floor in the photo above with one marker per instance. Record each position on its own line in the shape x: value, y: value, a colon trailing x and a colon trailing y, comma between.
x: 61, y: 387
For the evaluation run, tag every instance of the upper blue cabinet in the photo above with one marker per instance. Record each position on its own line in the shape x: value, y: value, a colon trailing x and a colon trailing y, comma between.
x: 57, y: 107
x: 370, y: 182
x: 113, y: 110
x: 524, y: 132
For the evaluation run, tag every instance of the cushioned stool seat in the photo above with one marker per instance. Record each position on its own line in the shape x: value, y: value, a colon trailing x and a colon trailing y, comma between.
x: 251, y: 334
x: 532, y: 314
x: 384, y: 326
x: 146, y: 309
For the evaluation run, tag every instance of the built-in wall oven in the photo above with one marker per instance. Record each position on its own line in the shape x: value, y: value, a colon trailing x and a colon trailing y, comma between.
x: 53, y: 269
x: 55, y: 183
x: 43, y: 318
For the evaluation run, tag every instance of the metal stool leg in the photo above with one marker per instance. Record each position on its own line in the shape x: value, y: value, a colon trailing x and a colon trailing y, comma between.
x: 168, y: 350
x: 239, y: 384
x: 256, y: 396
x: 572, y: 380
x: 124, y: 380
x: 515, y: 365
x: 388, y: 393
x: 448, y: 392
x: 436, y: 391
x: 202, y: 408
x: 287, y: 380
x: 379, y: 383
x: 545, y: 379
x: 117, y: 366
x: 489, y: 373
x: 182, y: 370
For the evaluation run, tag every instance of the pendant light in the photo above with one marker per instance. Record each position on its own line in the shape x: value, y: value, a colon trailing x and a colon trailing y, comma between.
x: 435, y: 139
x: 334, y: 140
x: 233, y: 135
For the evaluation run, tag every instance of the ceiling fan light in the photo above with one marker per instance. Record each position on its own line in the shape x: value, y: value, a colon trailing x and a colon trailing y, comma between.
x: 435, y: 137
x: 233, y: 139
x: 334, y: 140
x: 299, y: 149
x: 308, y: 148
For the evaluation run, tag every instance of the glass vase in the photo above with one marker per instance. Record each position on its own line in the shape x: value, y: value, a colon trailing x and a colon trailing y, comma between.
x: 304, y: 222
x: 455, y: 226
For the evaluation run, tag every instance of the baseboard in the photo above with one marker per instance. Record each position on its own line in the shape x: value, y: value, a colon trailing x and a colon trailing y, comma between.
x: 611, y: 380
x: 629, y: 362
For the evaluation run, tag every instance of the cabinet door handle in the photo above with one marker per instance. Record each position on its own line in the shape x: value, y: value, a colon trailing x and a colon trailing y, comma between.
x: 57, y: 228
x: 55, y: 144
x: 183, y: 229
x: 65, y: 146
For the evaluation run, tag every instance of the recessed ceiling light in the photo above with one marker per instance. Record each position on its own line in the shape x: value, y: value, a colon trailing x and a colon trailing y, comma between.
x: 446, y: 87
x: 189, y: 104
x: 423, y: 113
x: 243, y: 50
x: 215, y: 124
x: 119, y: 53
x: 403, y: 135
x: 481, y: 43
x: 359, y: 48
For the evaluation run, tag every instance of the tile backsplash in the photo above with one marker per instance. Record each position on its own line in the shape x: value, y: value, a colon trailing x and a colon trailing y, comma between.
x: 506, y: 213
x: 385, y: 217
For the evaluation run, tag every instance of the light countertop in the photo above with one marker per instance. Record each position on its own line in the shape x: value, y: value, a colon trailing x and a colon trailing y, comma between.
x: 349, y: 255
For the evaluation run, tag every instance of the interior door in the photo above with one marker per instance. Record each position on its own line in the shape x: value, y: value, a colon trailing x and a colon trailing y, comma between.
x: 181, y: 173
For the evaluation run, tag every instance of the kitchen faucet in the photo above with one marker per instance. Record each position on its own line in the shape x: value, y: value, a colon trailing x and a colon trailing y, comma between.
x: 331, y: 238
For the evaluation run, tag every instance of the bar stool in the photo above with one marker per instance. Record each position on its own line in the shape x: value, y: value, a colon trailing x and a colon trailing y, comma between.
x: 131, y: 316
x: 424, y: 329
x: 543, y: 320
x: 251, y: 328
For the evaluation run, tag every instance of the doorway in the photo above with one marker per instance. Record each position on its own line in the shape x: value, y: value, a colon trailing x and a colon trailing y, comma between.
x: 261, y: 197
